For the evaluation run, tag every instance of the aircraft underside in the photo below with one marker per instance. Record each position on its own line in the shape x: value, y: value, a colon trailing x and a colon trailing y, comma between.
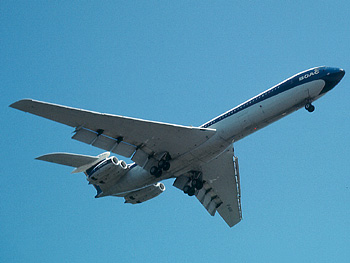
x: 200, y: 158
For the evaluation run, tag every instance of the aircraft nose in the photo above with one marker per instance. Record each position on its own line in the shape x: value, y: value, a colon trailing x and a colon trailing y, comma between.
x: 332, y: 78
x: 341, y: 73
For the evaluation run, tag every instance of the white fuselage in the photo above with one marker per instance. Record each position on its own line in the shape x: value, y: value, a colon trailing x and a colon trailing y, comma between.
x: 267, y: 111
x: 239, y: 122
x: 161, y: 151
x: 232, y: 127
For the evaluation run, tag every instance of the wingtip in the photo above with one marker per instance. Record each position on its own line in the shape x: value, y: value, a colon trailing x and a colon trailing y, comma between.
x: 75, y: 171
x: 21, y: 104
x: 40, y: 158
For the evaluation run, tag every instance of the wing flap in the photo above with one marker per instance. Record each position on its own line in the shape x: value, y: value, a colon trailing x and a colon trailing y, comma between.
x: 209, y: 199
x: 104, y: 142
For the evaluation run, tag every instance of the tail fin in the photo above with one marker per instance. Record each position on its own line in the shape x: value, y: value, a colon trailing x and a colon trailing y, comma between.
x: 79, y: 161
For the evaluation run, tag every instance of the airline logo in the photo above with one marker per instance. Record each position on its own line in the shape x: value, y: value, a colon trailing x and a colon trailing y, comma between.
x: 310, y: 74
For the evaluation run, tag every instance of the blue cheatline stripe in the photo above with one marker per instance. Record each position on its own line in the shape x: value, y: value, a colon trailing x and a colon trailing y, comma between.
x: 288, y: 84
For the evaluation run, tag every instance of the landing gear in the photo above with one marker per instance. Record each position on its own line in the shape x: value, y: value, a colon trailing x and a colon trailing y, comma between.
x: 309, y: 107
x: 195, y: 184
x: 163, y: 165
x: 189, y: 190
x: 166, y: 166
x: 156, y: 171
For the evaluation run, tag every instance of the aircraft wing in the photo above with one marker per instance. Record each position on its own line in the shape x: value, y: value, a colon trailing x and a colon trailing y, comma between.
x: 221, y: 190
x: 126, y: 136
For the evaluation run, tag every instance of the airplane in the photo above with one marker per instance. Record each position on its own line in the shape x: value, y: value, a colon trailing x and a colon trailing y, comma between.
x: 200, y: 159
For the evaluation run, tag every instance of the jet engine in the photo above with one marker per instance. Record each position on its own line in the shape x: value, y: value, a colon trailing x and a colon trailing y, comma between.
x: 144, y: 194
x: 109, y: 169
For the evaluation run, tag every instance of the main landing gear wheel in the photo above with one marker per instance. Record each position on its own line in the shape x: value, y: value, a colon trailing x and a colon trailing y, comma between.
x: 186, y: 189
x: 197, y: 183
x: 164, y: 164
x: 156, y: 171
x: 189, y: 190
x: 309, y: 107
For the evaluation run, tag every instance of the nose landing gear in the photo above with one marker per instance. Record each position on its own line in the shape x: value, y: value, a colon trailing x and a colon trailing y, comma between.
x: 309, y: 107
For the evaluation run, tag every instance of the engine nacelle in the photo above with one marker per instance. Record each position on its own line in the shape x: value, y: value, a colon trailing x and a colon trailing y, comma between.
x: 110, y: 168
x: 145, y: 194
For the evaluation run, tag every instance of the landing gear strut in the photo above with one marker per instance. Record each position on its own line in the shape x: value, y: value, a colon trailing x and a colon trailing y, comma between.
x: 309, y: 107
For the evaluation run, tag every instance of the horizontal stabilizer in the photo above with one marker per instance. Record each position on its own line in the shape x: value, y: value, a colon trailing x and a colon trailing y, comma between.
x: 79, y: 161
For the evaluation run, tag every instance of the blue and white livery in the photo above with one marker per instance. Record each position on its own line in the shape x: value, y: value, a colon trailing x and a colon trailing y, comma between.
x: 201, y: 159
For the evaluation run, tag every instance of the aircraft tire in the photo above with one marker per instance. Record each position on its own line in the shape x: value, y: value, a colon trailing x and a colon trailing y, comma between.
x: 191, y: 191
x: 162, y: 163
x: 198, y: 184
x: 187, y: 189
x: 159, y: 173
x: 309, y: 107
x: 154, y: 170
x: 312, y: 108
x: 166, y: 166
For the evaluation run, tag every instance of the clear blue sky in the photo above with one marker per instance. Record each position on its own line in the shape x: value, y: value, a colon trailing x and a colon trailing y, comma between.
x: 180, y: 62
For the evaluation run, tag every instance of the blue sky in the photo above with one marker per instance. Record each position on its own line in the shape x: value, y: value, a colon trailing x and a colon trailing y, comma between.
x: 180, y: 62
